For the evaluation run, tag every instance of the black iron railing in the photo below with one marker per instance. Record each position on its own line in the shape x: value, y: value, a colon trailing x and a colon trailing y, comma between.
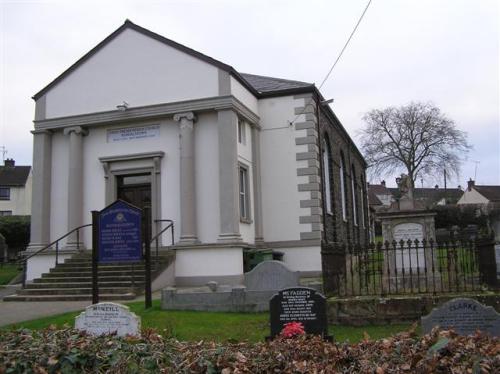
x: 55, y: 244
x: 407, y: 267
x: 156, y: 238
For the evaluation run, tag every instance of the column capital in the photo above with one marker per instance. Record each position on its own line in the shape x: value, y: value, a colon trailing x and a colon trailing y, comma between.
x: 189, y: 116
x: 76, y: 129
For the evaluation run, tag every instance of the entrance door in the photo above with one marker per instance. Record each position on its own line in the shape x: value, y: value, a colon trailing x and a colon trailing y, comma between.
x: 136, y: 190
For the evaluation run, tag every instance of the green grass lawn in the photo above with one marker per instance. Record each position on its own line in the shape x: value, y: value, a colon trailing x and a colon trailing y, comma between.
x: 195, y: 326
x: 8, y: 272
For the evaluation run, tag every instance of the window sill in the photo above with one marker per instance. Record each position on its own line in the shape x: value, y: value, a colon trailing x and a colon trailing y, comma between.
x: 247, y: 221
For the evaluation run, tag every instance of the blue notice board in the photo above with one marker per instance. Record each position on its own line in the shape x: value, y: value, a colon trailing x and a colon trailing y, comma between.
x: 120, y: 233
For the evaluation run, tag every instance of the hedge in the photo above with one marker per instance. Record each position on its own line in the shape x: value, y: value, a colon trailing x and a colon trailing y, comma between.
x: 16, y: 231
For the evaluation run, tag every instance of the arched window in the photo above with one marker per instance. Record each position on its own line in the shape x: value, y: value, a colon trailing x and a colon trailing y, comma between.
x: 342, y: 187
x: 354, y: 199
x: 327, y: 177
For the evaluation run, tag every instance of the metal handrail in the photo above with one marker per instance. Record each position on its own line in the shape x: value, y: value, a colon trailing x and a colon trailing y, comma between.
x: 24, y: 261
x: 157, y: 236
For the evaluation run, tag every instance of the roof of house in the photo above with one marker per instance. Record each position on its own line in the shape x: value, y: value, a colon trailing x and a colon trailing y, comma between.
x: 12, y: 176
x: 432, y: 195
x: 492, y: 193
x: 379, y: 189
x: 266, y: 85
x: 373, y: 199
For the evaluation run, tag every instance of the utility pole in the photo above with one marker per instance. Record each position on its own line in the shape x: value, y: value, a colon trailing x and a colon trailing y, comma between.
x: 475, y: 169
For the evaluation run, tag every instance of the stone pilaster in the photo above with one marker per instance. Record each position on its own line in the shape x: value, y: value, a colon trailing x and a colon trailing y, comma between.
x: 187, y: 178
x: 40, y: 203
x: 75, y: 182
x: 257, y: 198
x: 228, y: 176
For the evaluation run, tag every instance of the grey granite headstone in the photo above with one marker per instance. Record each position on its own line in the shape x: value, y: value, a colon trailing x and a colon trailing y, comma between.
x: 465, y: 316
x: 271, y: 275
x: 108, y: 318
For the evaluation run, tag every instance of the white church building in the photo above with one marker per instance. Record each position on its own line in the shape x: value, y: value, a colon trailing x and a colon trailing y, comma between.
x: 237, y: 161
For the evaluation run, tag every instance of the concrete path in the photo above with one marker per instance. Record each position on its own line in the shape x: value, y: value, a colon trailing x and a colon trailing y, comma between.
x: 19, y: 311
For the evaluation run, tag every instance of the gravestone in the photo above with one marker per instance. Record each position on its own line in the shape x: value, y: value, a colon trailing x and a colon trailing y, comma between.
x: 271, y: 276
x: 299, y: 304
x: 108, y: 318
x: 463, y: 315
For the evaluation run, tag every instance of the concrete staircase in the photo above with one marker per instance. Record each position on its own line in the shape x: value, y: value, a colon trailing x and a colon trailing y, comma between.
x: 72, y: 280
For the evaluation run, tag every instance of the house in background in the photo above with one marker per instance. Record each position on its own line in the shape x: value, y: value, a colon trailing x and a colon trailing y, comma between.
x: 237, y: 161
x: 15, y: 189
x: 484, y: 196
x: 431, y: 197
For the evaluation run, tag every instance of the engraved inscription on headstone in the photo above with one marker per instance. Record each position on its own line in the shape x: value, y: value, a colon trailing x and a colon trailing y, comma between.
x: 465, y: 316
x: 413, y: 257
x: 299, y: 304
x: 108, y: 318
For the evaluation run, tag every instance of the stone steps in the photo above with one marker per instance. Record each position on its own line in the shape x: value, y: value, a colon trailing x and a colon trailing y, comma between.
x: 102, y: 297
x: 72, y: 280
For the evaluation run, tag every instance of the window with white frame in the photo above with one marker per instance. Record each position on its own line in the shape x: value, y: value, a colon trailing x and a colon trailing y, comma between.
x: 244, y: 194
x: 354, y: 202
x: 326, y: 177
x: 242, y: 138
x: 4, y: 193
x: 342, y: 188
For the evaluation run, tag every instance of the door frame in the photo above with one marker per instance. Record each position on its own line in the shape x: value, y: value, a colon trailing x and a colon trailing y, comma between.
x: 130, y: 164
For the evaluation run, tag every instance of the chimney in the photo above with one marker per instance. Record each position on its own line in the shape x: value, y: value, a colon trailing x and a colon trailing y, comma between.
x: 470, y: 184
x: 382, y: 183
x: 436, y: 187
x: 9, y: 162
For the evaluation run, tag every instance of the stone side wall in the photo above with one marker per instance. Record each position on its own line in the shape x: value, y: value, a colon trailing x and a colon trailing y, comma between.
x: 336, y: 228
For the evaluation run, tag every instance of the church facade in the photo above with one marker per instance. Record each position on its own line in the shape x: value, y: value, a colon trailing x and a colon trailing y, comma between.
x: 237, y: 161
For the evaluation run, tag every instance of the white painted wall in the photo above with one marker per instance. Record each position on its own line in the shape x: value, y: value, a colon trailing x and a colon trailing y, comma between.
x: 243, y: 95
x: 20, y: 199
x: 132, y: 68
x: 472, y: 197
x: 59, y: 186
x: 207, y: 177
x: 208, y: 262
x: 95, y: 146
x: 280, y: 196
x: 302, y: 258
x: 38, y: 265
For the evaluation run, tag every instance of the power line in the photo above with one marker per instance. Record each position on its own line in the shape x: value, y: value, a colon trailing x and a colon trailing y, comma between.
x: 337, y: 59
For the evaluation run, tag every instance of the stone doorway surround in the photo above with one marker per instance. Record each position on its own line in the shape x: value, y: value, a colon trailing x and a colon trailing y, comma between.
x: 133, y: 164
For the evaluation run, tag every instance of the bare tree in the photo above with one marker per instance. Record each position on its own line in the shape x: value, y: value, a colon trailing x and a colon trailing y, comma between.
x: 416, y: 138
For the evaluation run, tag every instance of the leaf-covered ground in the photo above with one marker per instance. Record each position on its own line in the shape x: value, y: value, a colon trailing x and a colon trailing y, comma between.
x: 68, y: 351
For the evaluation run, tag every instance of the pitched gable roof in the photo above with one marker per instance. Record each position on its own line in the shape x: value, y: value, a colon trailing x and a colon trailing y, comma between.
x: 270, y: 85
x: 12, y: 176
x: 379, y: 189
x: 130, y: 25
x: 492, y: 193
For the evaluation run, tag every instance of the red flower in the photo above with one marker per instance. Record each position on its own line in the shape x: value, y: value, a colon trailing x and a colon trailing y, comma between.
x: 292, y: 329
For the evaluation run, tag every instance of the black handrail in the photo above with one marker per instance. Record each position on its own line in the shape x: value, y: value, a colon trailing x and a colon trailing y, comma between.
x: 24, y: 261
x: 157, y: 236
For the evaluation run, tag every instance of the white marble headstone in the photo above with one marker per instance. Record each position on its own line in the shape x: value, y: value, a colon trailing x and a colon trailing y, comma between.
x: 108, y: 318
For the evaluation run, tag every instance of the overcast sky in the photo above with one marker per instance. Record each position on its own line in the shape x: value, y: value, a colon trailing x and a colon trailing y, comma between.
x: 443, y: 51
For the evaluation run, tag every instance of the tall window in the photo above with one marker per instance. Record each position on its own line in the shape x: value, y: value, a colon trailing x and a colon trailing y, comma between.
x: 354, y: 202
x: 244, y: 194
x: 342, y: 188
x: 326, y: 177
x: 242, y: 139
x: 4, y: 193
x: 362, y: 205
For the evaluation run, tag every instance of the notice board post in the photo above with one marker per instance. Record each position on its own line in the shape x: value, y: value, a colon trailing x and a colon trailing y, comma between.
x: 147, y: 257
x: 95, y: 256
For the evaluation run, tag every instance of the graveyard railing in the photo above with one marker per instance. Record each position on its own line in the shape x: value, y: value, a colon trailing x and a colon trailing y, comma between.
x: 156, y: 238
x: 407, y: 267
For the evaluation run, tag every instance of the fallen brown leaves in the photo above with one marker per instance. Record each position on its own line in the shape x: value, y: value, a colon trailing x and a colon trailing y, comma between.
x: 68, y: 351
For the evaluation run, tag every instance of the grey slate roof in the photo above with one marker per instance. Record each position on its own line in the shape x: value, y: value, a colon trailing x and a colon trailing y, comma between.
x: 265, y: 84
x: 492, y: 193
x: 432, y: 195
x: 11, y: 176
